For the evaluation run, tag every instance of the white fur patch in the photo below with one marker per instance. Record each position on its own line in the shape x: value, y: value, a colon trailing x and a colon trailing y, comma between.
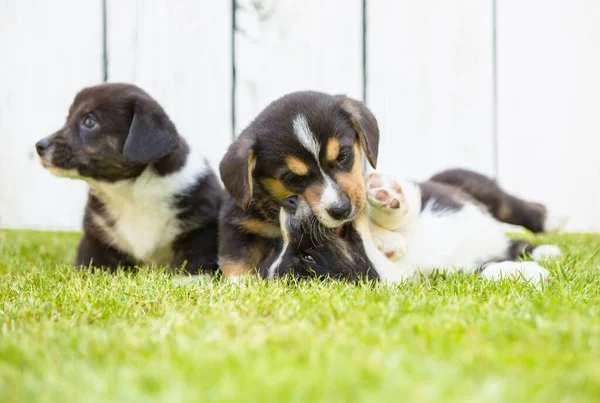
x: 451, y: 241
x: 145, y: 220
x: 529, y: 271
x: 306, y: 136
x: 546, y: 252
x: 286, y: 242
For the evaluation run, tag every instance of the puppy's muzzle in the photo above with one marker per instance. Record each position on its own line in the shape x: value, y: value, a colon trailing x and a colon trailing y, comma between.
x: 43, y: 145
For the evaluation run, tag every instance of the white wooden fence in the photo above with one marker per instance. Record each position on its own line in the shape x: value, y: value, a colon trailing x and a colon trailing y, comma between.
x: 510, y: 88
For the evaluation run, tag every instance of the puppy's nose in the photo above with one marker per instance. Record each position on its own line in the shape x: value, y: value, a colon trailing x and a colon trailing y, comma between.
x: 41, y: 146
x: 340, y: 210
x: 290, y: 204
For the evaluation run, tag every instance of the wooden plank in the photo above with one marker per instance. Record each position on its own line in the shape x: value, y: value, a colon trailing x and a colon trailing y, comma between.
x: 49, y: 51
x: 548, y: 86
x: 429, y: 82
x: 285, y: 46
x: 180, y: 52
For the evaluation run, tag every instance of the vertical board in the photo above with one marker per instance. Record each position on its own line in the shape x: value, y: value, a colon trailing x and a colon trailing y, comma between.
x: 285, y: 46
x: 430, y: 84
x: 548, y: 105
x: 49, y: 50
x: 180, y: 52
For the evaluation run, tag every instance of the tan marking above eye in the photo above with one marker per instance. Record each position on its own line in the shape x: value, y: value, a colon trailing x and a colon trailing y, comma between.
x: 333, y: 149
x: 276, y: 188
x: 261, y: 228
x: 296, y: 165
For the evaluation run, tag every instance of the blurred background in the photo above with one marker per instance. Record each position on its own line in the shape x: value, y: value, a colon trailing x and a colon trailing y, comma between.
x: 510, y: 88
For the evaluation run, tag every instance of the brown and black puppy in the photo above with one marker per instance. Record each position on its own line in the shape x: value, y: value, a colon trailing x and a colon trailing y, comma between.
x: 308, y: 144
x: 152, y: 200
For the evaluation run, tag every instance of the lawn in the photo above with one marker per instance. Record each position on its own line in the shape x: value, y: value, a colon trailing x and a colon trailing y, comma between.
x: 83, y: 337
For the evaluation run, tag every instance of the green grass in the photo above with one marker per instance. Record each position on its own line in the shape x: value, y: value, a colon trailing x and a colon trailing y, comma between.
x: 85, y: 337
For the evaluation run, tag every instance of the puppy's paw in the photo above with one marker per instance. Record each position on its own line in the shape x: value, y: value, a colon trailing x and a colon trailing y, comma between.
x: 392, y: 244
x: 528, y: 271
x: 384, y: 192
x: 545, y: 252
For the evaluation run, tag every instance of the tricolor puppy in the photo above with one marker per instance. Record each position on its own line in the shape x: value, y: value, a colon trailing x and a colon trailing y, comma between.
x: 152, y: 200
x: 308, y: 144
x: 408, y: 228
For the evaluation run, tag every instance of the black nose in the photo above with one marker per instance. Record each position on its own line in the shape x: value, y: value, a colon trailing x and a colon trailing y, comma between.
x: 42, y: 146
x: 340, y: 210
x: 290, y: 204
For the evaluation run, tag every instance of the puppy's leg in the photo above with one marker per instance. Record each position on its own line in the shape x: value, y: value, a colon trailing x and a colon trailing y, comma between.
x: 385, y: 268
x: 239, y: 251
x: 198, y: 250
x: 520, y: 248
x: 387, y: 203
x: 502, y: 205
x: 92, y: 251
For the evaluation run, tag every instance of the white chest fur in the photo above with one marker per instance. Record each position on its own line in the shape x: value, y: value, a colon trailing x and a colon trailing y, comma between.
x: 140, y: 215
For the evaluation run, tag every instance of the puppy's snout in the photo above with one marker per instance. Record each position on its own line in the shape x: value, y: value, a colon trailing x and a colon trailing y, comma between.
x: 42, y: 145
x: 290, y: 204
x: 340, y: 210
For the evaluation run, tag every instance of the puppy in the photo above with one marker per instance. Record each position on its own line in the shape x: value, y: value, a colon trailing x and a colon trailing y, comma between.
x: 437, y: 227
x: 152, y: 200
x: 308, y: 144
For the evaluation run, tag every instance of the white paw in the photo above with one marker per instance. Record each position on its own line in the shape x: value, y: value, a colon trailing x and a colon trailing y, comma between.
x: 384, y: 192
x: 529, y: 271
x: 545, y: 252
x: 392, y: 244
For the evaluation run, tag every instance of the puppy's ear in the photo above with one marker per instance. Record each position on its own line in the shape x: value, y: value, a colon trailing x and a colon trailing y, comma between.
x: 365, y: 124
x: 152, y: 135
x: 236, y: 169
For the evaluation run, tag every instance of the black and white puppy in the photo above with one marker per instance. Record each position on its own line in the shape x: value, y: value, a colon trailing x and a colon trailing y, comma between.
x: 152, y: 200
x: 408, y: 228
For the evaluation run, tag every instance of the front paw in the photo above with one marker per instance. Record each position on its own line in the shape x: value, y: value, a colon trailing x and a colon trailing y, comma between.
x: 391, y: 244
x: 383, y: 192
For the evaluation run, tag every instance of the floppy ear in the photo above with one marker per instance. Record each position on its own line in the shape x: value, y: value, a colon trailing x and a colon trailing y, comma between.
x: 365, y: 124
x: 151, y: 136
x: 236, y: 169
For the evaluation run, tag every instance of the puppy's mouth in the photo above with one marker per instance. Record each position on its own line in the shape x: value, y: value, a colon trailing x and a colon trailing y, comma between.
x: 342, y: 231
x: 59, y: 171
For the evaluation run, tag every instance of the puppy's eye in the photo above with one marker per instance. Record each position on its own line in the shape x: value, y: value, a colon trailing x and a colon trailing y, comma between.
x: 308, y: 258
x: 294, y: 180
x: 343, y: 157
x: 89, y: 122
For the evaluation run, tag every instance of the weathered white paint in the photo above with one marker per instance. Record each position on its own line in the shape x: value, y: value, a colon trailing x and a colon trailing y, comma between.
x: 180, y: 52
x: 549, y: 103
x: 49, y: 50
x: 429, y: 83
x: 285, y: 46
